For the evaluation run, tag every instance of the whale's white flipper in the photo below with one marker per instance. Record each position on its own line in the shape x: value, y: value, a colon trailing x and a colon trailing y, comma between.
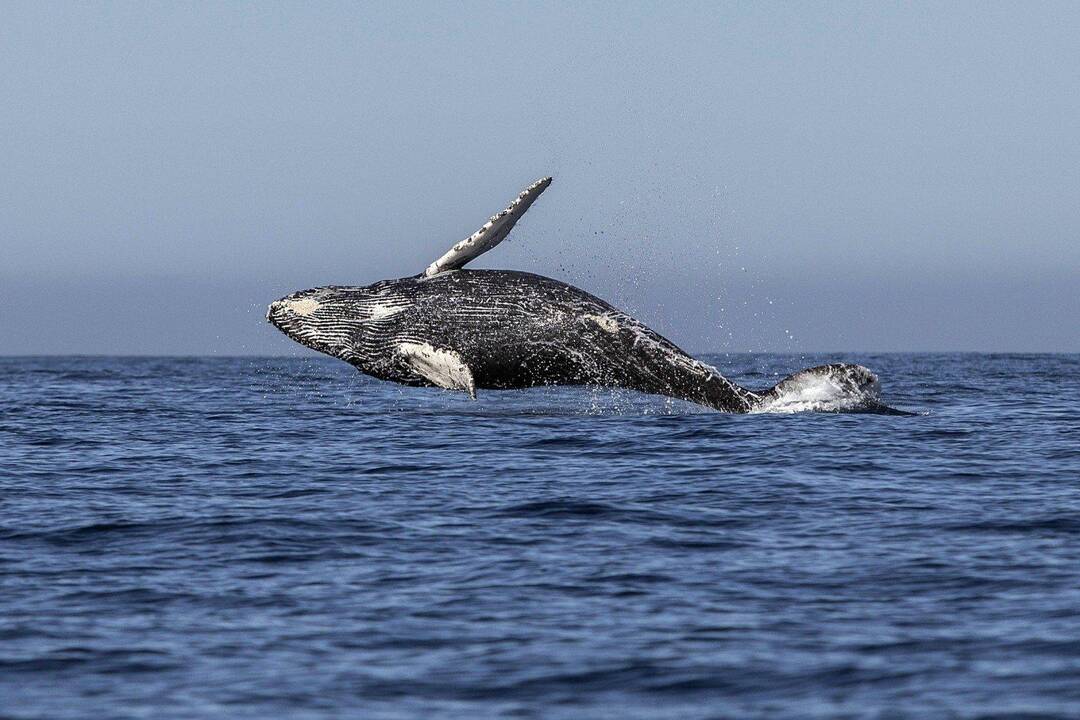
x: 490, y: 234
x: 443, y: 368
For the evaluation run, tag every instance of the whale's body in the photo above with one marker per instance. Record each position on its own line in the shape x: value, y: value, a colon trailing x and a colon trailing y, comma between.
x: 497, y: 329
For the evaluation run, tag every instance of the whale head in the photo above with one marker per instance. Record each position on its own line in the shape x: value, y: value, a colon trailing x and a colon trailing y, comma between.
x: 337, y: 321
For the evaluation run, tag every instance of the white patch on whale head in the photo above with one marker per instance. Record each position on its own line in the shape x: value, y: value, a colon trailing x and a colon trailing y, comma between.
x: 303, y: 306
x: 605, y: 322
x: 380, y: 311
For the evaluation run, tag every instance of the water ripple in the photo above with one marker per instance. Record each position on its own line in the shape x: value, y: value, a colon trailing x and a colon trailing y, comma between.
x: 243, y: 537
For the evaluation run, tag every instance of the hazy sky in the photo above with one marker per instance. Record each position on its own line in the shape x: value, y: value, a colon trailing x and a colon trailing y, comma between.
x: 791, y: 177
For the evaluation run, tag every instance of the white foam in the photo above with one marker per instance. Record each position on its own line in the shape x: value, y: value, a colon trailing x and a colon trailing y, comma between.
x: 817, y: 392
x: 605, y: 322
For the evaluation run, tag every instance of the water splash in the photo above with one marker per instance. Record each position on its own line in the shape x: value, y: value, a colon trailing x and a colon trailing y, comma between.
x: 828, y: 388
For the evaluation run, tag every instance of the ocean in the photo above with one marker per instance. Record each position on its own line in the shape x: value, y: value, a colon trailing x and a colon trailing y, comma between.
x: 285, y: 538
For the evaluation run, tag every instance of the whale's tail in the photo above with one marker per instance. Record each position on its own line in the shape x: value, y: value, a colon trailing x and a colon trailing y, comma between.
x: 839, y: 387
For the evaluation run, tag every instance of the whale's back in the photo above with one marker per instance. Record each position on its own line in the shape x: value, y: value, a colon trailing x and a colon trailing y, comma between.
x: 516, y: 329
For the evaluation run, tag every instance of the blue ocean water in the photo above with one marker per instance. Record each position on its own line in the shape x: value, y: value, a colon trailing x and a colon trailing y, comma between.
x: 264, y: 537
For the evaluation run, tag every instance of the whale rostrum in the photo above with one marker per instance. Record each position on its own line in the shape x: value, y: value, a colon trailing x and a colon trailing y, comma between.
x: 466, y: 330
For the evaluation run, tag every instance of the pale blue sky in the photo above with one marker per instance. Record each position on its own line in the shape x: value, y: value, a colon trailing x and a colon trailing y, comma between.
x: 791, y: 177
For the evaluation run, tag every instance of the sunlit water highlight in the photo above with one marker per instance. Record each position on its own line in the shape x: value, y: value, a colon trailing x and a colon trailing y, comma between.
x: 285, y: 538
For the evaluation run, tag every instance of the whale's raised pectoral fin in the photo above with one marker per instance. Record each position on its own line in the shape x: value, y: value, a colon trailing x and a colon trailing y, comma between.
x: 442, y: 368
x: 490, y: 234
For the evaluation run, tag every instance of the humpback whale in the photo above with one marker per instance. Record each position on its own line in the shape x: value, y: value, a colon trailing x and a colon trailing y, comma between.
x: 468, y: 330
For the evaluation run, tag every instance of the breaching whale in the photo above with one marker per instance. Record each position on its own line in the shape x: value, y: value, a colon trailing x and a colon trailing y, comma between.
x: 466, y: 330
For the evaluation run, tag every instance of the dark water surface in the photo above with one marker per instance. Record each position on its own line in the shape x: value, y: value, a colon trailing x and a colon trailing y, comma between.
x: 285, y: 538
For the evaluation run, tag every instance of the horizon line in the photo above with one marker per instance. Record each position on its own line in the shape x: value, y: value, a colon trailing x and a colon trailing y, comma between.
x: 319, y: 356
